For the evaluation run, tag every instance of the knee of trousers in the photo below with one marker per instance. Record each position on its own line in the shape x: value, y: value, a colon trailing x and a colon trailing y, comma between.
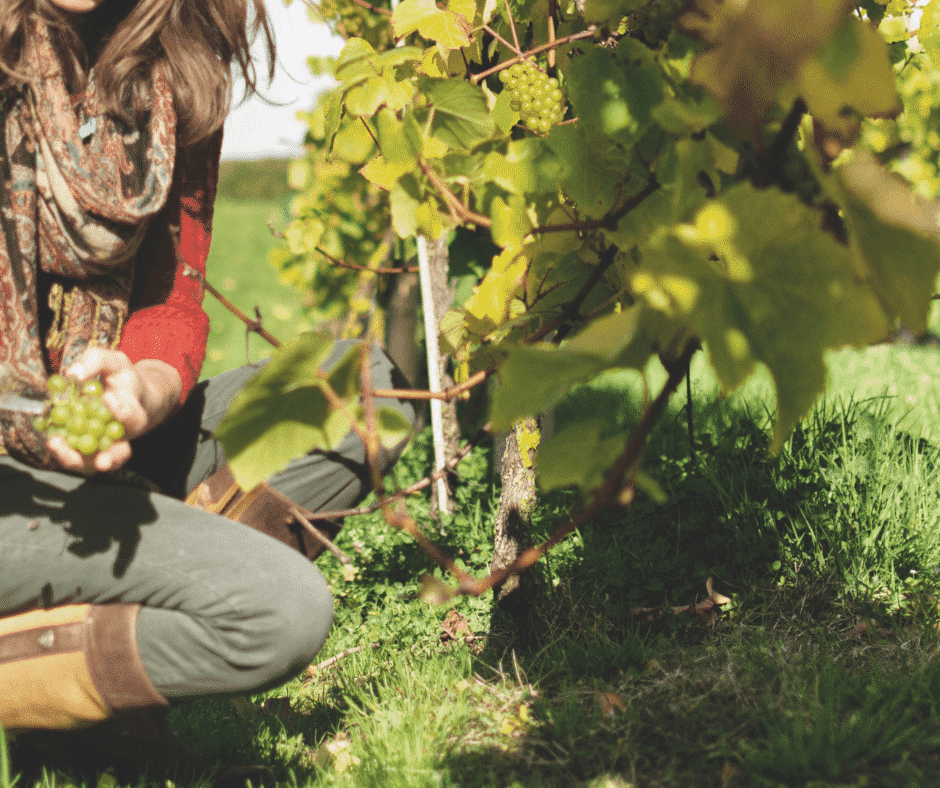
x: 291, y: 619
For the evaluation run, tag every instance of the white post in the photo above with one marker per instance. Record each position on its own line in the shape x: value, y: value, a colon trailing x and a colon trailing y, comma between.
x: 434, y: 373
x: 434, y: 356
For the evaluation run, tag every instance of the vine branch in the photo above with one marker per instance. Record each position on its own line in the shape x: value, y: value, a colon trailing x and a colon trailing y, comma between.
x: 353, y: 267
x: 589, y: 33
x: 460, y: 212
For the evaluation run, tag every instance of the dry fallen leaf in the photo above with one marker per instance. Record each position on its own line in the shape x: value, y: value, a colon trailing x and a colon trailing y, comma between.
x: 609, y: 703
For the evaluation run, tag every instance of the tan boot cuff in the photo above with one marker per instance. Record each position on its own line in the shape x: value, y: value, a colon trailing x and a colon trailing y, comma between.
x: 71, y: 666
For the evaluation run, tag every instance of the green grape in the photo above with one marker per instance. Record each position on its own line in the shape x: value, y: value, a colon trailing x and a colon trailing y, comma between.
x: 86, y: 444
x: 115, y: 431
x: 76, y: 424
x: 535, y: 96
x: 57, y: 384
x: 98, y: 410
x: 96, y: 426
x: 92, y: 388
x: 79, y: 415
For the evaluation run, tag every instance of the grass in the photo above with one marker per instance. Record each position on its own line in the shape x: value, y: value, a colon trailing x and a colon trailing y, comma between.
x: 238, y: 267
x: 822, y: 671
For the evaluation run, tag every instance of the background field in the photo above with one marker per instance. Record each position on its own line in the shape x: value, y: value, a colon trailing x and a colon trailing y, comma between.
x: 251, y: 195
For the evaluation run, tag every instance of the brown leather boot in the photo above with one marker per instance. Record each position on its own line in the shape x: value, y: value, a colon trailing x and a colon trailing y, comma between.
x: 71, y: 666
x: 266, y: 510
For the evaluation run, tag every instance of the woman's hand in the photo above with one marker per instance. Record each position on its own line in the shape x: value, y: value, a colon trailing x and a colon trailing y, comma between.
x: 140, y: 396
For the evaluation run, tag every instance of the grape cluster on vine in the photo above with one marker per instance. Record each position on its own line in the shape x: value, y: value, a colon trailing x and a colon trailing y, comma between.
x: 534, y: 95
x: 79, y: 415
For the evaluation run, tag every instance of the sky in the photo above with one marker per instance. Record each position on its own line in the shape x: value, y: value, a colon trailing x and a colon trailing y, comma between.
x: 255, y: 130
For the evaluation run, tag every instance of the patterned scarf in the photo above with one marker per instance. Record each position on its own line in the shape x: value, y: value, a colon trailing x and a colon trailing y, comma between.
x: 77, y: 191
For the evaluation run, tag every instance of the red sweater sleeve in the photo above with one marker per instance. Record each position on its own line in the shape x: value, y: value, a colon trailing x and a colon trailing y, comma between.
x: 167, y: 321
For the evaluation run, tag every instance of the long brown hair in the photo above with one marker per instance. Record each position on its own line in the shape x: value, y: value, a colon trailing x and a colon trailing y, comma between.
x: 197, y: 40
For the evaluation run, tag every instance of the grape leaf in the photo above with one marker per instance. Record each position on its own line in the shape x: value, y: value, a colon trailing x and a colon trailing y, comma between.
x: 353, y: 143
x: 895, y: 238
x: 353, y: 62
x: 450, y: 28
x: 404, y: 206
x: 383, y: 173
x: 511, y: 222
x: 397, y: 145
x: 490, y: 303
x: 850, y: 78
x: 590, y: 179
x: 609, y: 11
x: 535, y: 377
x: 578, y: 456
x: 614, y: 92
x: 929, y: 32
x: 281, y: 413
x: 753, y: 48
x: 758, y: 279
x: 461, y: 118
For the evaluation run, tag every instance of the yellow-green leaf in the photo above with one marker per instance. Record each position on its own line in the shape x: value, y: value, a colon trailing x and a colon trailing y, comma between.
x: 384, y: 174
x: 759, y: 280
x: 929, y: 32
x: 851, y: 78
x: 448, y: 28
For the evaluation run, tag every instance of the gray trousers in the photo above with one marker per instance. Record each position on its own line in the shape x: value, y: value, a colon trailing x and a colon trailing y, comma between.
x: 226, y: 609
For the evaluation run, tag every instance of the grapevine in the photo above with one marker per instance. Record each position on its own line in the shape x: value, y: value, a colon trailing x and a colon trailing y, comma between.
x: 698, y: 174
x: 79, y: 415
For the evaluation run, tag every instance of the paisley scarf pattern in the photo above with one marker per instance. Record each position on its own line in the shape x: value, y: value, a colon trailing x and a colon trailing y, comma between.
x: 77, y: 191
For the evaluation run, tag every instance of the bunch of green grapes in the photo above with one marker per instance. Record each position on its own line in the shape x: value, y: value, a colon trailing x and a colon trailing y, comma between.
x: 79, y: 415
x: 534, y: 95
x: 653, y: 22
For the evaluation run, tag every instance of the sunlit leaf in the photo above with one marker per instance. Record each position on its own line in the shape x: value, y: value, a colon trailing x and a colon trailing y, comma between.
x: 614, y: 92
x: 450, y: 28
x: 384, y: 174
x: 535, y: 377
x: 929, y: 32
x: 281, y: 414
x: 849, y: 79
x: 895, y: 239
x: 759, y: 280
